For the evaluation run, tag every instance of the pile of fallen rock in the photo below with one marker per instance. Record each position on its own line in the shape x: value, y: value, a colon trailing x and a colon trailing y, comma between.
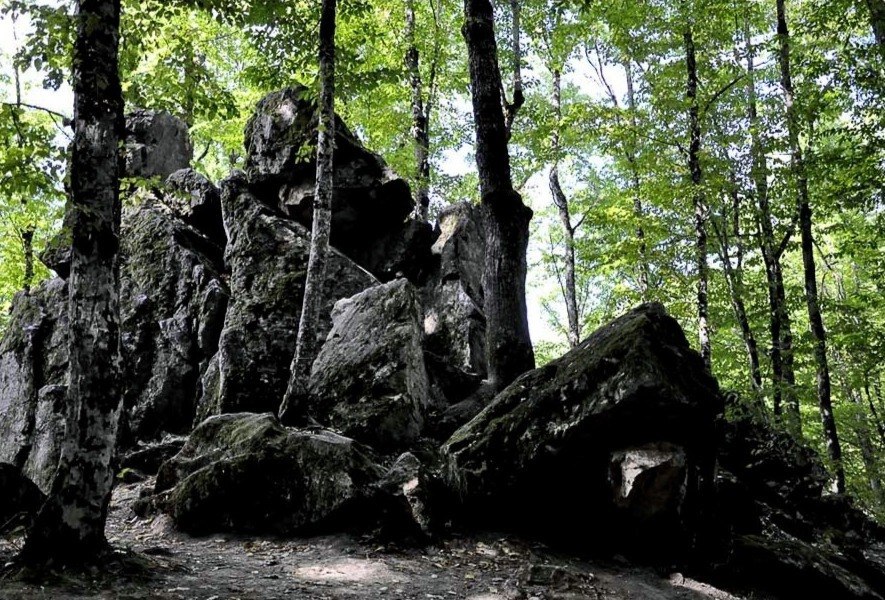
x: 620, y: 446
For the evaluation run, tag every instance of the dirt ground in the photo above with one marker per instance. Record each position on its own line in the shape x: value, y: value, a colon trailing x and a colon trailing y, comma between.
x: 229, y: 567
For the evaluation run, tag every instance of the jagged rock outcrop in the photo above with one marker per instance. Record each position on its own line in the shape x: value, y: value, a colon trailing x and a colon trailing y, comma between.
x: 633, y: 383
x: 370, y: 204
x: 246, y: 472
x: 267, y: 258
x: 198, y: 201
x: 173, y: 301
x: 780, y: 531
x: 368, y: 380
x: 454, y: 323
x: 33, y: 378
x: 157, y: 144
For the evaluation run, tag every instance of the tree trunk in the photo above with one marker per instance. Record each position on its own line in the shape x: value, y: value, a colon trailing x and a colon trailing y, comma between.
x: 511, y: 109
x: 700, y: 209
x: 818, y: 332
x: 420, y: 121
x: 569, y: 287
x: 861, y: 431
x: 780, y: 327
x: 874, y: 412
x: 509, y: 346
x: 70, y: 526
x: 877, y: 19
x: 634, y: 176
x: 306, y: 342
x: 28, y: 249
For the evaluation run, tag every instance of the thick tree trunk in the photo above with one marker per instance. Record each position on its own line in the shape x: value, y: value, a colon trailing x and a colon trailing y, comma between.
x: 569, y: 287
x: 420, y: 120
x: 818, y: 332
x: 877, y: 20
x: 306, y: 341
x: 70, y: 526
x: 698, y: 199
x: 780, y: 327
x: 634, y: 177
x: 506, y: 217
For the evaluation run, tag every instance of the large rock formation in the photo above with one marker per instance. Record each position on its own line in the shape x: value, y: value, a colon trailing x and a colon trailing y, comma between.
x: 157, y: 144
x: 370, y: 204
x: 267, y: 258
x: 615, y: 441
x: 245, y: 472
x: 369, y: 379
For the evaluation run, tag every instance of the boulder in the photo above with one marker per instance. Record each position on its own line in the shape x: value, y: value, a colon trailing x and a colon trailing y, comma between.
x: 173, y: 300
x: 454, y: 322
x: 409, y: 493
x: 546, y: 452
x: 157, y: 144
x: 368, y: 380
x: 267, y: 258
x: 247, y: 473
x: 33, y: 376
x: 20, y: 500
x: 198, y: 201
x: 370, y: 204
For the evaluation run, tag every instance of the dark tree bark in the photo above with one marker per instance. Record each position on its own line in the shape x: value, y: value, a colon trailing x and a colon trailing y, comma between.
x: 306, y: 341
x: 780, y: 327
x: 28, y: 249
x: 420, y: 115
x: 70, y: 526
x: 507, y: 219
x: 512, y: 108
x: 877, y: 20
x: 638, y: 212
x: 698, y: 199
x: 818, y: 332
x: 569, y: 287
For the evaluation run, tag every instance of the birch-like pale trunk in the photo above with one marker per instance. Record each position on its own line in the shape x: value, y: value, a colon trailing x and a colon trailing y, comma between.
x: 306, y: 343
x: 698, y: 199
x: 509, y: 347
x: 568, y: 230
x: 816, y: 323
x: 70, y: 526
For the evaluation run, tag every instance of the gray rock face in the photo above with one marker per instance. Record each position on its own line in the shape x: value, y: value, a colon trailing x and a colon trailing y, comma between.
x: 198, y: 201
x: 634, y: 382
x: 267, y: 258
x: 370, y: 204
x: 369, y: 379
x: 157, y: 144
x: 33, y: 376
x: 173, y: 300
x: 245, y: 472
x: 454, y: 323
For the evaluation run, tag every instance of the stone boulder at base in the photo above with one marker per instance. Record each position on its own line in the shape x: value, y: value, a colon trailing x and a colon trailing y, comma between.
x: 612, y: 444
x: 369, y: 380
x: 157, y: 144
x: 173, y: 301
x: 780, y: 532
x: 370, y: 204
x: 267, y: 258
x: 247, y: 473
x: 33, y: 380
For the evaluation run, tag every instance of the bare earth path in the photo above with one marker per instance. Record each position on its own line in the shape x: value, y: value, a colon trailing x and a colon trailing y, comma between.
x: 228, y: 567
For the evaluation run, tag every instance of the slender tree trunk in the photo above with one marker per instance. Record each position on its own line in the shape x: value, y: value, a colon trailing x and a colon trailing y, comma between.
x: 28, y: 249
x: 568, y: 230
x: 861, y: 432
x: 874, y: 412
x: 306, y: 341
x: 420, y: 121
x: 511, y: 109
x: 70, y: 526
x: 877, y: 20
x: 818, y: 332
x: 644, y: 278
x: 509, y: 346
x: 698, y: 199
x: 780, y: 327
